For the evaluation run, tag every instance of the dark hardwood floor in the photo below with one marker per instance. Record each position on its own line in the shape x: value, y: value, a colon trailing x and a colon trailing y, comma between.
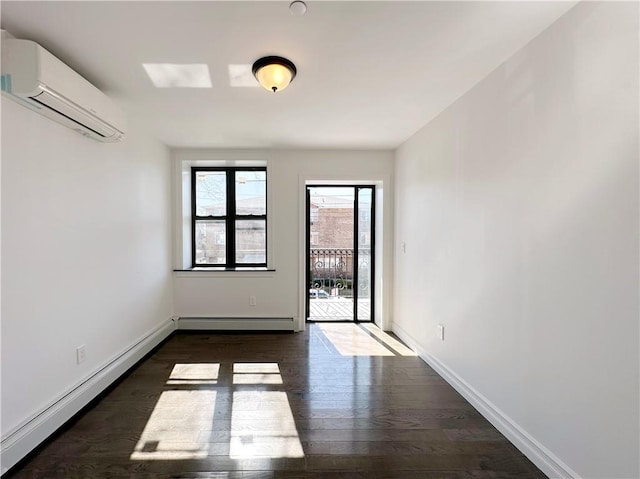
x: 337, y: 401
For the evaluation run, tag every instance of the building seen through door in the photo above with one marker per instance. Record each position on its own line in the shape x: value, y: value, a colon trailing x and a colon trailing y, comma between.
x: 340, y: 244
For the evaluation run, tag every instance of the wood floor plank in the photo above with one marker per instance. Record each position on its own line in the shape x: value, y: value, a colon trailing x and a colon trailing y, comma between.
x: 265, y: 406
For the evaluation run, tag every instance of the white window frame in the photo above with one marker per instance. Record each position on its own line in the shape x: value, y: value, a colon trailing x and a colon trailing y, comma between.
x: 183, y: 160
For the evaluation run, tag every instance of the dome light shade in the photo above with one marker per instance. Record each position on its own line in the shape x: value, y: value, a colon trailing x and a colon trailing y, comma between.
x: 274, y: 73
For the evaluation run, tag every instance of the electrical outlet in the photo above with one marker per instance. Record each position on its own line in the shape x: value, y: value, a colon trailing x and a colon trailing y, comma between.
x: 252, y: 300
x: 441, y: 332
x: 81, y: 354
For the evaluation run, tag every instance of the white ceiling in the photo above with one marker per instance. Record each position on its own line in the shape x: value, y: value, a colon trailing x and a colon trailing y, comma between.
x: 370, y: 73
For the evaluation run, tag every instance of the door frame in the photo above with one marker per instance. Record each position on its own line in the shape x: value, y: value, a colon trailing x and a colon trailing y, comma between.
x: 355, y: 263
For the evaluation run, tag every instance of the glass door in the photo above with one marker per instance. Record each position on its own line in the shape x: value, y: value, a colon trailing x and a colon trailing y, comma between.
x: 340, y: 253
x: 365, y: 253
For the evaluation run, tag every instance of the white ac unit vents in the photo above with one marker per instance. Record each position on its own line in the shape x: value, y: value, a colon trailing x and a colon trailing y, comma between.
x: 35, y: 78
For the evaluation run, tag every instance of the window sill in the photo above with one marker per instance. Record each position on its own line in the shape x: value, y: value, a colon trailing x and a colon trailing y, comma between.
x: 213, y: 272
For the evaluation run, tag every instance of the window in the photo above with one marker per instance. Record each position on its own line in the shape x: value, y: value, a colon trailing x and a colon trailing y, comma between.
x: 229, y: 216
x: 314, y: 214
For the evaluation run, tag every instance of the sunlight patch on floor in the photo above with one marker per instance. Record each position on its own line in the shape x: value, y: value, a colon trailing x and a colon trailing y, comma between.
x: 268, y: 432
x: 256, y: 373
x: 257, y: 379
x: 194, y: 373
x: 389, y: 340
x: 173, y: 429
x: 267, y: 368
x: 350, y: 340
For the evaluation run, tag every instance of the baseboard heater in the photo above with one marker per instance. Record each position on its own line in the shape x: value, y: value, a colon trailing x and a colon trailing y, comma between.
x: 236, y: 324
x: 25, y: 437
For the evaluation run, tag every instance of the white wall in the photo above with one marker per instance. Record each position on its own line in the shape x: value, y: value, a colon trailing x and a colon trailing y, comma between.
x: 86, y: 255
x: 518, y: 206
x: 280, y: 293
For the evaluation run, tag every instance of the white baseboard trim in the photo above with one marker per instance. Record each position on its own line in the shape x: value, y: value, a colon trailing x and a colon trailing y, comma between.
x: 22, y: 439
x: 544, y: 459
x: 237, y: 324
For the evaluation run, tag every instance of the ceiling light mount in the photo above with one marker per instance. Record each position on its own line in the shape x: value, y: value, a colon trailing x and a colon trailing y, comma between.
x: 274, y: 73
x: 298, y: 8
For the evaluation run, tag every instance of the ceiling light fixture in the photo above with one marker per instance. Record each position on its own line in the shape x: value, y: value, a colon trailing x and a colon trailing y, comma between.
x: 274, y: 73
x: 298, y: 8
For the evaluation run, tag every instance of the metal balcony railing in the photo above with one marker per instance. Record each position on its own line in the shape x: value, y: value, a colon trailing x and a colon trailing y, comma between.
x: 331, y: 270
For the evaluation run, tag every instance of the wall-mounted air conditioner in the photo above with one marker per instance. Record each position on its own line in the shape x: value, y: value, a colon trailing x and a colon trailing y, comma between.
x: 35, y: 78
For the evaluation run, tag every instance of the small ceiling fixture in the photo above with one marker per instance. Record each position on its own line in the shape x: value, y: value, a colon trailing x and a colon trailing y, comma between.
x: 298, y: 8
x: 274, y: 73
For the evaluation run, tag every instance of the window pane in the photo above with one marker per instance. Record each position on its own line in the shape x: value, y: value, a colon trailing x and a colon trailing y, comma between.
x: 211, y: 193
x: 365, y: 259
x: 251, y: 242
x: 251, y: 192
x: 210, y: 242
